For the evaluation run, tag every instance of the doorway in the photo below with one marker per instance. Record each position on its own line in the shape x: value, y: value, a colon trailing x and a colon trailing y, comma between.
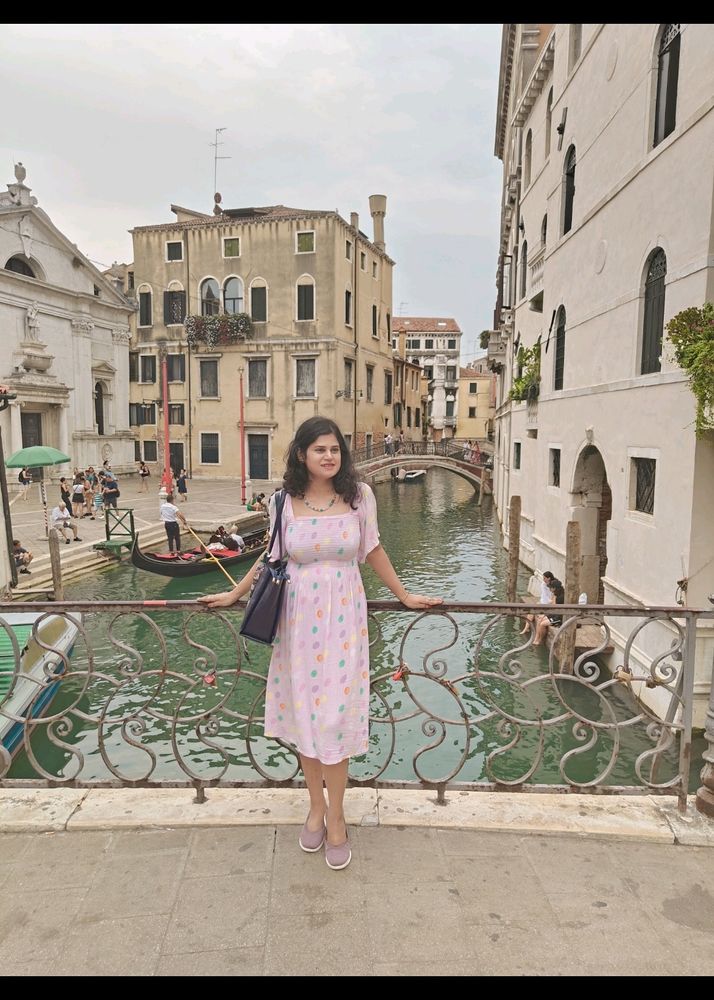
x: 258, y: 456
x: 31, y: 426
x: 176, y: 458
x: 592, y: 513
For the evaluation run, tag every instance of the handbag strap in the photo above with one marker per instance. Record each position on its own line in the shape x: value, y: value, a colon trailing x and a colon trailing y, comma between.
x: 279, y: 504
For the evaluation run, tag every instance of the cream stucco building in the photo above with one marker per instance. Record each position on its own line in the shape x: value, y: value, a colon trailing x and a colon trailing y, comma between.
x: 319, y: 295
x: 606, y: 132
x: 477, y: 404
x: 64, y: 345
x: 434, y: 343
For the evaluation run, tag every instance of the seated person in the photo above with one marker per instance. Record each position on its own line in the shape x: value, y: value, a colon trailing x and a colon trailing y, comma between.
x: 545, y: 598
x: 237, y: 537
x: 543, y: 622
x: 22, y: 557
x: 61, y: 520
x: 256, y: 502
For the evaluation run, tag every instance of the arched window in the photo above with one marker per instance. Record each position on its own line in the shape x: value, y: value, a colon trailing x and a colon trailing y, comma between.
x: 569, y: 190
x: 259, y: 300
x: 576, y: 44
x: 524, y: 268
x: 544, y: 230
x: 667, y: 77
x: 559, y: 349
x: 306, y: 297
x: 527, y: 159
x: 20, y: 265
x: 548, y: 121
x: 210, y: 297
x: 653, y: 325
x: 99, y: 408
x: 233, y: 296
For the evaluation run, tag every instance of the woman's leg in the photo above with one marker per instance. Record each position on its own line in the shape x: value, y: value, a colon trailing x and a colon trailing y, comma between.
x: 312, y: 769
x: 542, y: 624
x: 336, y: 782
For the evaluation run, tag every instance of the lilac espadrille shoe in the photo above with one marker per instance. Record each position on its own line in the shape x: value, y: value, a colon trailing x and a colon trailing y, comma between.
x: 338, y: 856
x: 312, y: 841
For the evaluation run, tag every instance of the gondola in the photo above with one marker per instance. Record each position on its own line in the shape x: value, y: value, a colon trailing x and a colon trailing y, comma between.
x: 193, y: 562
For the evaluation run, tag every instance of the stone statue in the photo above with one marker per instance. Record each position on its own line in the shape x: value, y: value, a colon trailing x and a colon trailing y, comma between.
x: 32, y: 322
x: 20, y: 173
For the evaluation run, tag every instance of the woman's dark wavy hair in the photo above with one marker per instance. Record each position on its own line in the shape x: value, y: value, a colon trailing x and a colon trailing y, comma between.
x: 295, y: 479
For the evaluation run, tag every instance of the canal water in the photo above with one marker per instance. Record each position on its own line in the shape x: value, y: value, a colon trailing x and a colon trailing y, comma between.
x: 438, y: 720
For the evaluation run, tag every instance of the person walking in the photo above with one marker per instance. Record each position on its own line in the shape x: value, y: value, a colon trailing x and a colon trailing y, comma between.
x: 181, y: 485
x: 144, y: 474
x: 25, y: 480
x: 171, y: 515
x: 318, y: 689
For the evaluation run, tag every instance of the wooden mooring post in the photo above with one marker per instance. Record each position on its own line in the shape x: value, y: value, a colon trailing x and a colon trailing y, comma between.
x: 566, y: 652
x: 514, y: 546
x: 56, y: 564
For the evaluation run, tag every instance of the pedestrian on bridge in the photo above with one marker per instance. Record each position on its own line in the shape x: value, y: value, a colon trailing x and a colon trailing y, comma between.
x: 318, y: 688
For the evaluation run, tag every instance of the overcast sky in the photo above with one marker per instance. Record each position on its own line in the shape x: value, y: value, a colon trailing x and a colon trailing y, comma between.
x: 114, y: 123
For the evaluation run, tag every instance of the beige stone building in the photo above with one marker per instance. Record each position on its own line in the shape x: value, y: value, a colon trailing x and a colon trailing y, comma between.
x: 318, y: 293
x: 434, y: 343
x: 477, y: 405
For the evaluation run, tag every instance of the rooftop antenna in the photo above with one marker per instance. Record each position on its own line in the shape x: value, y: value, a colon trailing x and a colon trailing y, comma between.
x: 216, y: 157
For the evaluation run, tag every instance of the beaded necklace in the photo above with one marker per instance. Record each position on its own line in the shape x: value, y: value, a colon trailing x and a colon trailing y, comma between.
x: 318, y: 510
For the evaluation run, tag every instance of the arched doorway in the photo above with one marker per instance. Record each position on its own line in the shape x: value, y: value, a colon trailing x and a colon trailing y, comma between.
x: 99, y: 408
x: 591, y: 501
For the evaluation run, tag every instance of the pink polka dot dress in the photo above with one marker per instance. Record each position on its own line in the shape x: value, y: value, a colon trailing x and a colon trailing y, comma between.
x: 317, y: 695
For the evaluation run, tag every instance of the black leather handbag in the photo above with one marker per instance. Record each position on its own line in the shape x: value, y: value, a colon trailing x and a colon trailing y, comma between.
x: 260, y: 621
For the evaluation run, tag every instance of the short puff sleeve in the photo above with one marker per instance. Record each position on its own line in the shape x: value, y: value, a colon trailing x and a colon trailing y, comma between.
x: 368, y: 528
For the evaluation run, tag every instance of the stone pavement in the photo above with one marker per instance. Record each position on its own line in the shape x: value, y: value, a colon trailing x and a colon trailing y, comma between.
x: 240, y: 897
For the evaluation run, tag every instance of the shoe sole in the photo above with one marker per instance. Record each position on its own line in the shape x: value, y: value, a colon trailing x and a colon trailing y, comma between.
x: 311, y: 850
x: 338, y: 868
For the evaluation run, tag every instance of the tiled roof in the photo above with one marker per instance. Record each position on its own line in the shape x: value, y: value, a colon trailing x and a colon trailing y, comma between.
x: 424, y: 324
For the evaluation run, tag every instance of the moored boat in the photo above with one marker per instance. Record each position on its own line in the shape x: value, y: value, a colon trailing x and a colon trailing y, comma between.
x: 194, y: 562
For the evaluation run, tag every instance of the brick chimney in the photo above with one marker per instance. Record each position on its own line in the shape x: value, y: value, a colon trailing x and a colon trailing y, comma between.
x: 378, y: 209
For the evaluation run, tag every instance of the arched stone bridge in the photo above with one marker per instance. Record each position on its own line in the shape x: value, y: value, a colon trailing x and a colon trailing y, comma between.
x: 425, y: 455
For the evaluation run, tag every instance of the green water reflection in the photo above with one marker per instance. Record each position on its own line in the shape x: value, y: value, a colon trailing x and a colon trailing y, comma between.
x: 440, y: 542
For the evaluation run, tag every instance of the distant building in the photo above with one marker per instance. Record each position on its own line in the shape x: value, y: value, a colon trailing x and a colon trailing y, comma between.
x: 477, y: 404
x: 316, y: 293
x: 435, y: 345
x: 606, y: 133
x: 65, y: 342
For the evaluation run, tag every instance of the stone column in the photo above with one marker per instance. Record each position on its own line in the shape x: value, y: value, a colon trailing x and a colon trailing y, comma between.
x: 15, y: 428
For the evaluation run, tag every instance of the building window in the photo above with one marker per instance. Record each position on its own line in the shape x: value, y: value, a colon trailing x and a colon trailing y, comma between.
x: 387, y: 388
x: 527, y: 159
x: 428, y: 372
x: 349, y: 367
x: 576, y: 44
x: 409, y: 416
x: 305, y: 241
x: 449, y: 407
x: 137, y: 451
x: 257, y: 378
x: 133, y: 366
x: 389, y: 326
x: 348, y: 249
x: 210, y: 297
x: 516, y: 452
x: 370, y: 383
x: 209, y: 379
x: 174, y: 251
x: 134, y: 414
x: 559, y: 349
x: 174, y: 307
x: 306, y: 301
x: 209, y: 449
x: 524, y: 268
x: 472, y: 412
x: 375, y: 322
x: 150, y: 451
x: 305, y: 378
x: 642, y: 478
x: 667, y: 79
x: 548, y: 121
x: 259, y: 303
x: 554, y: 467
x: 231, y: 246
x: 19, y: 266
x: 348, y: 308
x: 147, y: 413
x: 374, y: 268
x: 145, y: 309
x: 473, y: 388
x: 451, y: 345
x: 569, y: 190
x: 653, y: 325
x: 450, y: 373
x: 176, y: 367
x: 544, y: 230
x: 176, y: 413
x: 417, y: 417
x: 428, y: 345
x: 148, y: 368
x: 233, y: 296
x: 130, y: 281
x: 363, y: 261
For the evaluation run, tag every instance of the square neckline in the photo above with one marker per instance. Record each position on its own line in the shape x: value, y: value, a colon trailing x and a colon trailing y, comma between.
x: 321, y: 517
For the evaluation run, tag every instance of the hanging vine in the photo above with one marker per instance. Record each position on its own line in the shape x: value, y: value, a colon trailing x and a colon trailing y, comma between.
x: 691, y: 334
x: 218, y: 331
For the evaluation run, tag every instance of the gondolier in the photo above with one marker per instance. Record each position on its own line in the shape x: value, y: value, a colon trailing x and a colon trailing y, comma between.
x: 171, y: 515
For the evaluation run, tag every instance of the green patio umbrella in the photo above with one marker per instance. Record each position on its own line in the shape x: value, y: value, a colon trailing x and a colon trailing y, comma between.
x: 32, y: 457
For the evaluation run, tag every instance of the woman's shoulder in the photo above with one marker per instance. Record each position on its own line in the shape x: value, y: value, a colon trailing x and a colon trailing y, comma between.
x: 365, y: 494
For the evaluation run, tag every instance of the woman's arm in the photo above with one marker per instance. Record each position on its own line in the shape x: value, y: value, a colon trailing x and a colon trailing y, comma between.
x: 229, y: 597
x: 380, y: 563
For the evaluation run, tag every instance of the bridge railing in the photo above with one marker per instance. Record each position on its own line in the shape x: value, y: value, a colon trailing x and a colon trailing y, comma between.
x: 166, y: 693
x: 446, y: 448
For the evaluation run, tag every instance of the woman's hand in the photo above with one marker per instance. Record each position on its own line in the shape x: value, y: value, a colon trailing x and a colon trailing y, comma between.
x: 418, y: 603
x: 224, y: 600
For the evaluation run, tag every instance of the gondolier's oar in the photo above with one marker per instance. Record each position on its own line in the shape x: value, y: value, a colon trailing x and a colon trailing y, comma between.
x: 208, y: 552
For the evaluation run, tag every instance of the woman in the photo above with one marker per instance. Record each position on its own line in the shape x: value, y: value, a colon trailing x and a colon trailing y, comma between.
x: 144, y: 474
x: 181, y: 485
x: 317, y: 695
x: 78, y: 495
x: 25, y: 480
x: 65, y: 494
x: 543, y: 622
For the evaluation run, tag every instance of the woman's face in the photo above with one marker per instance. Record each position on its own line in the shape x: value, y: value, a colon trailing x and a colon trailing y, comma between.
x: 323, y: 458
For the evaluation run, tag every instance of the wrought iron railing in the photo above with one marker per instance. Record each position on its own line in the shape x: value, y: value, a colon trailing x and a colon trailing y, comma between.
x: 164, y: 693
